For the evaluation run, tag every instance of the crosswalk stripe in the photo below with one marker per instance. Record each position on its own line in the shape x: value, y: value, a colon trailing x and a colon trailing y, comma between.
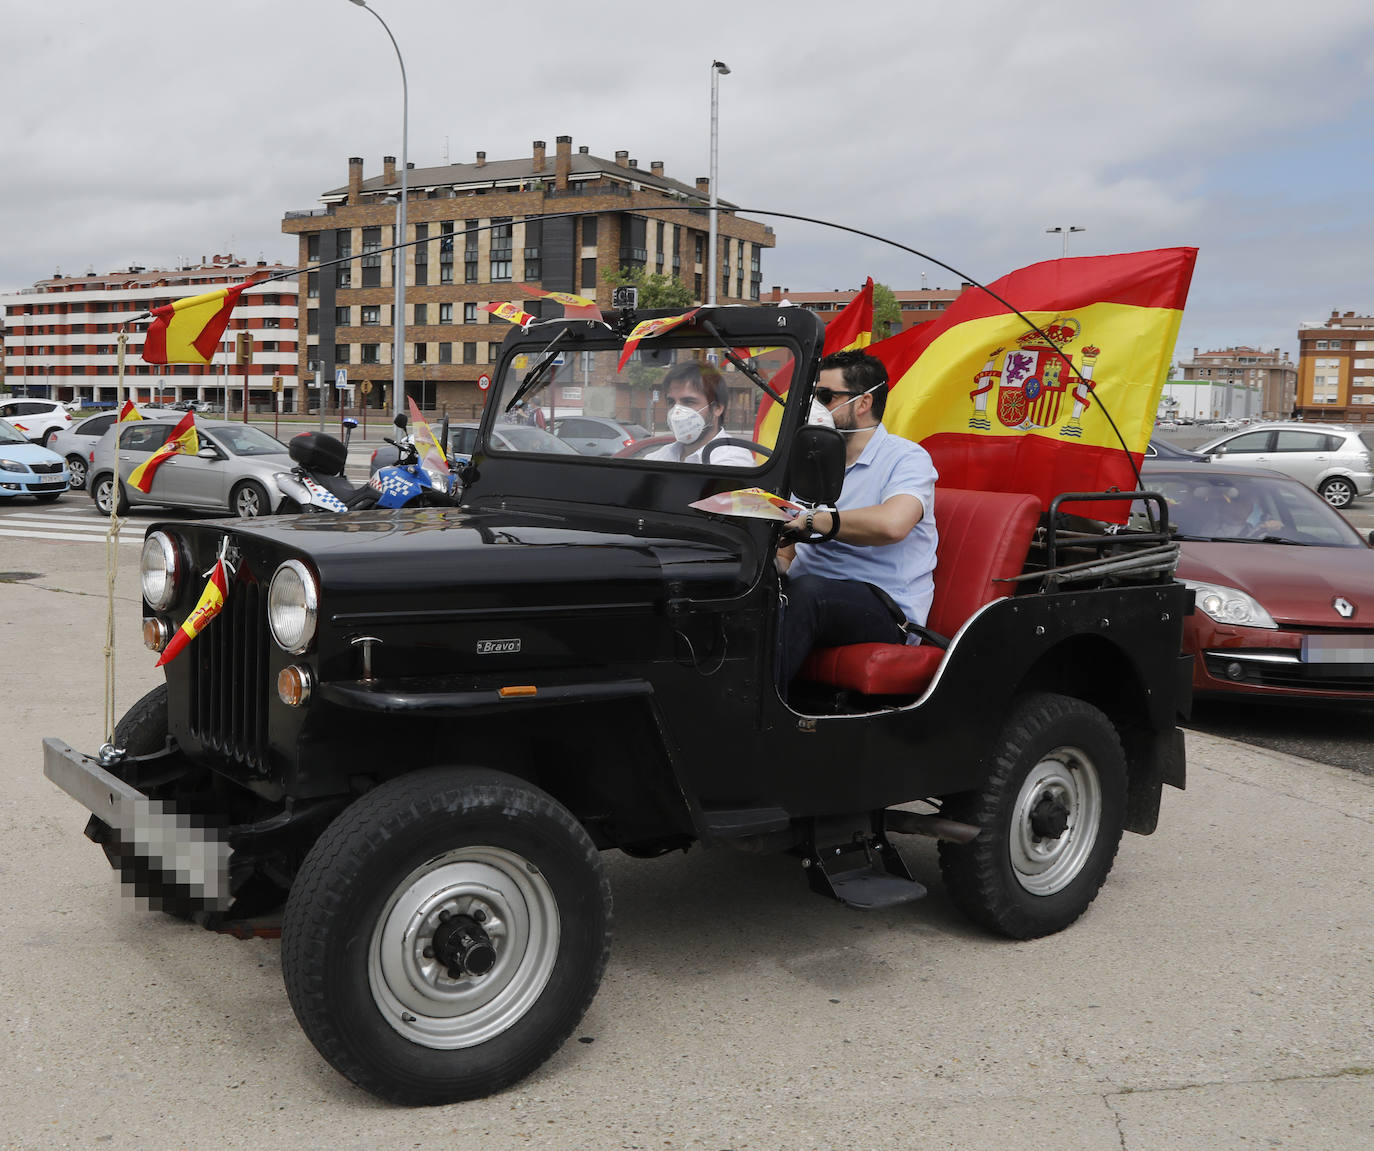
x: 56, y: 523
x: 70, y: 537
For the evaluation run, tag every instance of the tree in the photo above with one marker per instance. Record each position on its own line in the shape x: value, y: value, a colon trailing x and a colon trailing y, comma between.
x: 656, y: 289
x: 885, y: 311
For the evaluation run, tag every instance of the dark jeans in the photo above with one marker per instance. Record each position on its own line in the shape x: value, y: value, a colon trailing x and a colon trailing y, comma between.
x: 822, y: 612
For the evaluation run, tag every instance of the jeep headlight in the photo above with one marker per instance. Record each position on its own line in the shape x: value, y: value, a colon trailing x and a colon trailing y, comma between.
x: 160, y: 571
x: 1230, y: 605
x: 292, y: 606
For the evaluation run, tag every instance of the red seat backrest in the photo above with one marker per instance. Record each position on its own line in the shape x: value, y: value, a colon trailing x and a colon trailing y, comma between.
x: 984, y: 538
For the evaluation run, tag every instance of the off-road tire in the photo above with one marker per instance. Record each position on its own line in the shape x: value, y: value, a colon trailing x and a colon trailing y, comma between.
x: 384, y: 873
x: 143, y: 730
x: 1011, y: 879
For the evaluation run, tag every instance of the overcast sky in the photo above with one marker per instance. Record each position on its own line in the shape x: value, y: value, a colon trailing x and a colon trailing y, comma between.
x: 148, y: 132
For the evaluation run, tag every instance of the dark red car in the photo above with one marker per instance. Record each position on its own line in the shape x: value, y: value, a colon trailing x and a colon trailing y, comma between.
x: 1285, y: 586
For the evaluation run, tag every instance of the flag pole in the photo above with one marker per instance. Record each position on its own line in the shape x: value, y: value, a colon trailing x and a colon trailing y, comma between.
x: 109, y: 751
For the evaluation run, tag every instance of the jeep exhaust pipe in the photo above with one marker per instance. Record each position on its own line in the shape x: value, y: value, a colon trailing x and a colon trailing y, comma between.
x: 932, y: 826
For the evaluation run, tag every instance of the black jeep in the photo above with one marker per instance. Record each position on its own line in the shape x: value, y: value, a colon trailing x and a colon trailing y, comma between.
x: 420, y: 728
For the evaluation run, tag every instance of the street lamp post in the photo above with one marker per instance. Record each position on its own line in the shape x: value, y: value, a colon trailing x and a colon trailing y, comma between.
x: 1066, y: 232
x: 717, y: 71
x: 398, y: 385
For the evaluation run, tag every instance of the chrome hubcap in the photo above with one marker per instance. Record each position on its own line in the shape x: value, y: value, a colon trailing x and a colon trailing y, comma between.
x: 1055, y: 821
x: 420, y: 990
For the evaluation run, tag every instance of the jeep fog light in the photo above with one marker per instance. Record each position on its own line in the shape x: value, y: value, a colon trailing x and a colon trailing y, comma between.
x: 160, y: 571
x: 292, y: 604
x: 156, y: 633
x: 293, y: 685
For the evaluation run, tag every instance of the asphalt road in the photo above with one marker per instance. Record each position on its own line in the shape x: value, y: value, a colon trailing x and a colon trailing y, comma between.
x: 1216, y: 995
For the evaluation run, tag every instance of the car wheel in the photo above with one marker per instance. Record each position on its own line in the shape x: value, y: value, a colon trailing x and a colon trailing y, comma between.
x: 104, y: 490
x: 1049, y: 815
x: 445, y: 935
x: 76, y: 471
x: 249, y: 499
x: 1337, y: 491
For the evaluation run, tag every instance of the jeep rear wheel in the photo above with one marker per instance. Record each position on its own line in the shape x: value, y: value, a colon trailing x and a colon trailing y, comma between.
x: 445, y: 935
x: 1050, y: 817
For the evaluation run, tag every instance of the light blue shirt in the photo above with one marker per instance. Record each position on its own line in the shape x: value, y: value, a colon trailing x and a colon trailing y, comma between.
x: 888, y: 466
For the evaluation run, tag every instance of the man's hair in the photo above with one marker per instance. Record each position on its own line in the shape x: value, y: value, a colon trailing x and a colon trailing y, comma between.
x: 862, y: 373
x: 706, y: 378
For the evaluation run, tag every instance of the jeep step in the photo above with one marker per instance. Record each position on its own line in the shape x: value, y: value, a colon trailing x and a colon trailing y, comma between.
x: 866, y: 872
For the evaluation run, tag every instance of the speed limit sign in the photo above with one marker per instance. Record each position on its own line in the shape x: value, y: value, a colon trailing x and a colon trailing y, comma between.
x: 484, y: 381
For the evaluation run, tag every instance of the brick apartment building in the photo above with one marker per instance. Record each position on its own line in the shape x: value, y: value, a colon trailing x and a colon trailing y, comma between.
x: 61, y: 335
x: 1336, y: 369
x: 918, y: 305
x: 1244, y: 382
x: 478, y: 240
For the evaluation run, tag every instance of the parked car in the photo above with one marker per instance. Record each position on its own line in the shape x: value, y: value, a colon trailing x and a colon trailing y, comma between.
x: 75, y: 444
x: 1164, y: 450
x: 26, y: 469
x: 233, y: 470
x: 1284, y: 584
x: 1332, y: 460
x: 462, y: 442
x: 35, y: 419
x: 596, y: 436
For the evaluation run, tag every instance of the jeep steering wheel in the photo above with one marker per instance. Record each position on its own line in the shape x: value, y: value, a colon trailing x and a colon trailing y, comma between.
x: 733, y: 441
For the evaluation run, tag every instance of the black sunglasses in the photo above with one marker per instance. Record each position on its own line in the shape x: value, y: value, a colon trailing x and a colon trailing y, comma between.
x: 826, y: 395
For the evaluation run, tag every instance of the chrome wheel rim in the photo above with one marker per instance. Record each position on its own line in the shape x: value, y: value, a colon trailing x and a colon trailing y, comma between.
x: 414, y: 991
x: 1337, y: 493
x: 1065, y: 784
x: 247, y: 504
x: 104, y: 493
x: 76, y: 469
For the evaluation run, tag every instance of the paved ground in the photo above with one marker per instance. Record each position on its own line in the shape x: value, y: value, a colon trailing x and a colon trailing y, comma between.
x: 1217, y: 995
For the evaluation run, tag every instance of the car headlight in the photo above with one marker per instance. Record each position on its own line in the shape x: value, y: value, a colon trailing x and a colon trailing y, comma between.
x: 13, y: 466
x: 292, y: 606
x: 160, y: 571
x: 1230, y: 605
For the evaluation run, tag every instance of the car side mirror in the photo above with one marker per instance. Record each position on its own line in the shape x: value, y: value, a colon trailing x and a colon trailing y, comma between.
x: 208, y: 453
x: 816, y: 467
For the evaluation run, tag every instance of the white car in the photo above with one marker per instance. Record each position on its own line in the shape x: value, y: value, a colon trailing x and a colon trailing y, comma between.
x: 36, y: 420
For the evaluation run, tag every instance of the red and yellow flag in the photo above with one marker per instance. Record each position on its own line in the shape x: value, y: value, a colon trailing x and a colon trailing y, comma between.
x: 851, y: 328
x: 183, y: 439
x: 209, y: 605
x: 1001, y: 408
x: 573, y: 306
x: 509, y: 312
x: 129, y: 412
x: 426, y: 442
x: 188, y: 331
x: 646, y: 328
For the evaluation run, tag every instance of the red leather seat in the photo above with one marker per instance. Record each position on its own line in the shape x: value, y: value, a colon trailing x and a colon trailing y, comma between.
x: 984, y: 537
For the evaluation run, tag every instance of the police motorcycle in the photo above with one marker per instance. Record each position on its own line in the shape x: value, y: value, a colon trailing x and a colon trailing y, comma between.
x: 317, y: 483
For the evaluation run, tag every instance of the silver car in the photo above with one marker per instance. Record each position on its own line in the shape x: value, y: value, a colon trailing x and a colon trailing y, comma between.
x: 76, y: 443
x: 1331, y: 459
x: 232, y: 471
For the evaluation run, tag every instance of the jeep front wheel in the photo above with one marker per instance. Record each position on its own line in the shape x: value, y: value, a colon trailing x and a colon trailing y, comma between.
x: 1050, y: 817
x: 445, y: 935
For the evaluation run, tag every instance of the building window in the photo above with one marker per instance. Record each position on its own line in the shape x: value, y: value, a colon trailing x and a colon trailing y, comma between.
x: 371, y: 314
x: 1364, y: 364
x: 421, y: 314
x: 341, y: 353
x: 589, y: 272
x: 370, y: 353
x: 372, y: 259
x: 502, y: 241
x: 421, y: 255
x: 312, y: 285
x: 312, y: 322
x: 446, y: 353
x: 1321, y: 345
x: 470, y: 313
x: 446, y: 252
x: 421, y: 353
x: 312, y: 246
x: 493, y: 351
x: 589, y: 232
x: 469, y: 352
x: 445, y: 313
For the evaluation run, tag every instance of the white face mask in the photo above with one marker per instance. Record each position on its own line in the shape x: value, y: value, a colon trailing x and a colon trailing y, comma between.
x: 820, y: 414
x: 686, y: 424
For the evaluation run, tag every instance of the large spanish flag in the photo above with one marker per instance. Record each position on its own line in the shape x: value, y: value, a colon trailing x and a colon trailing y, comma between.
x: 210, y: 604
x: 183, y: 439
x: 851, y: 328
x: 188, y: 331
x: 1001, y: 408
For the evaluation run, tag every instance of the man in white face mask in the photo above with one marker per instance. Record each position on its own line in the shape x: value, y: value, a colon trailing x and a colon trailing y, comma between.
x: 887, y: 533
x: 697, y: 395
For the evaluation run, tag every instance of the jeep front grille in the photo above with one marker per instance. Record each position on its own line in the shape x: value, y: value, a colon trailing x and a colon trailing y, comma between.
x: 229, y: 680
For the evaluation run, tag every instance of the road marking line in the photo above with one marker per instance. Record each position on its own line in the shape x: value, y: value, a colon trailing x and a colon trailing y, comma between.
x: 36, y: 535
x: 57, y: 524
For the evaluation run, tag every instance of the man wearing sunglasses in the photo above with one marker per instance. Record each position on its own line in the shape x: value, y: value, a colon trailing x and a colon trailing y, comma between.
x: 835, y: 591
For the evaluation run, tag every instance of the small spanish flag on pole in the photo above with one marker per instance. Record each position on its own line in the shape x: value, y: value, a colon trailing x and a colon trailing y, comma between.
x: 183, y: 439
x: 188, y: 331
x: 210, y: 604
x: 129, y: 412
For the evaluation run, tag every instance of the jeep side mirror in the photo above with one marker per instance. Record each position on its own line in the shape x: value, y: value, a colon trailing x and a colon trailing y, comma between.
x: 816, y: 467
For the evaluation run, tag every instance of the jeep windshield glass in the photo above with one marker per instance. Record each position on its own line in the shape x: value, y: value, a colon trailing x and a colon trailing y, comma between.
x: 679, y: 404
